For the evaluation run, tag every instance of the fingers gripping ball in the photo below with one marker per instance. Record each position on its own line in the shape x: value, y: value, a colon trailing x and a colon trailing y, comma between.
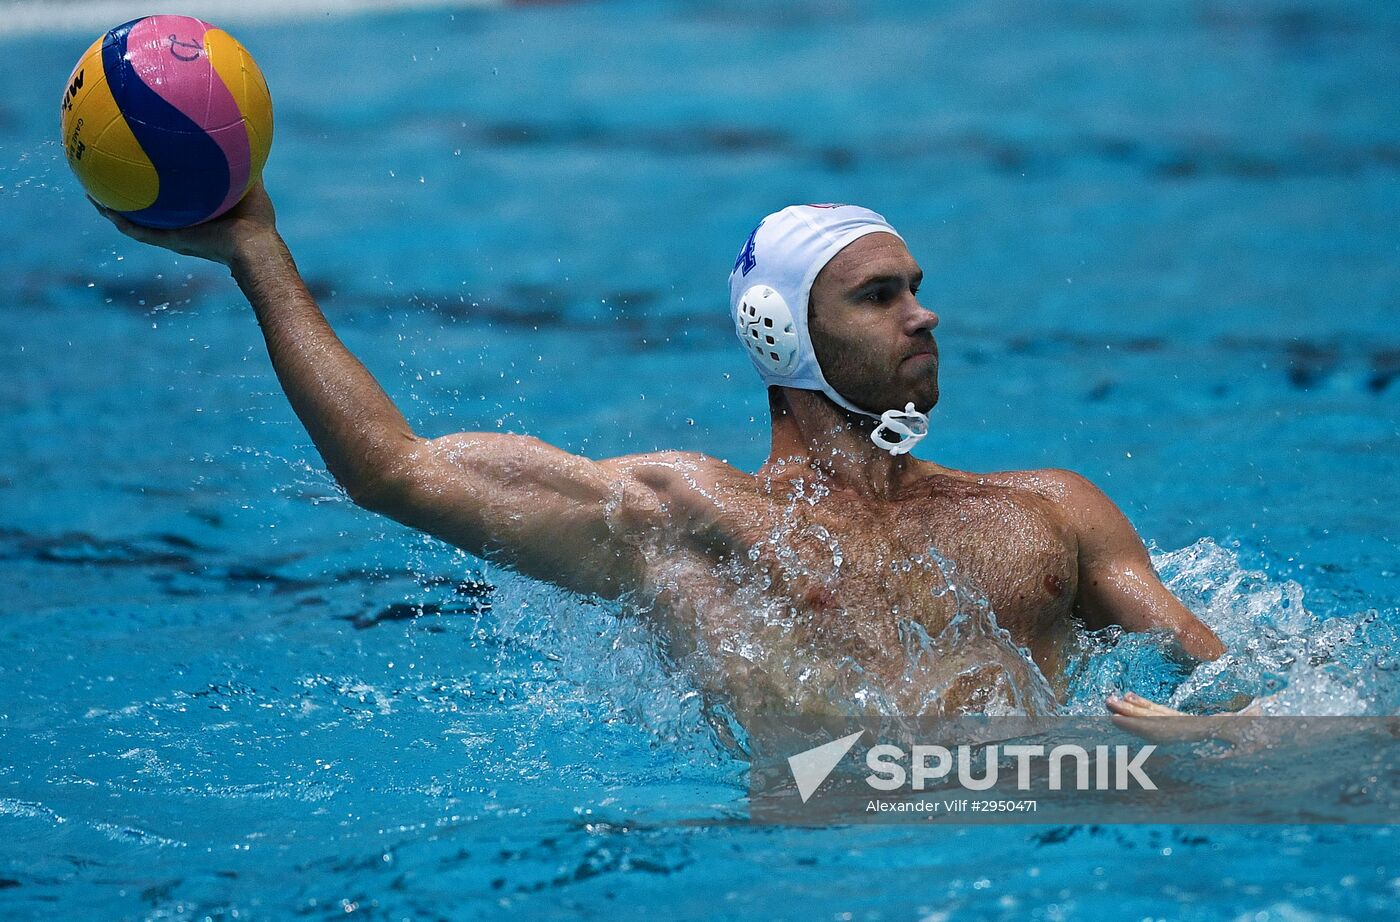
x: 167, y: 120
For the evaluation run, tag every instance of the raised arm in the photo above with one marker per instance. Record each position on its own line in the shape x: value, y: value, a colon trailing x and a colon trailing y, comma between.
x: 550, y: 514
x: 356, y: 427
x: 558, y: 517
x: 1117, y: 583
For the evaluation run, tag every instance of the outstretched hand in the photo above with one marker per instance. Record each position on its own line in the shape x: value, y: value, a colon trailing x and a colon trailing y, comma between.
x: 218, y: 240
x: 1141, y: 717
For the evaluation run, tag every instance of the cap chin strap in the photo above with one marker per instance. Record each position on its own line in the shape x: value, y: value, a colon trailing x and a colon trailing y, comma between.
x: 909, y: 424
x: 899, y: 430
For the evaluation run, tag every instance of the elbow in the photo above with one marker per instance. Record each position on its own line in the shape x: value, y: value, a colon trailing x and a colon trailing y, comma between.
x: 1212, y: 649
x: 385, y: 493
x: 1202, y: 645
x: 378, y: 478
x: 384, y: 489
x: 372, y: 495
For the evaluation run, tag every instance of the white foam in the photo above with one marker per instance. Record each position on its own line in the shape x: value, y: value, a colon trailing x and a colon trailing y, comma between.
x: 97, y: 16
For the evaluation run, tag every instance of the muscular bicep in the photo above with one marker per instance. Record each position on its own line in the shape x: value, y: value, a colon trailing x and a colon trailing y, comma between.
x: 521, y: 502
x: 1117, y: 582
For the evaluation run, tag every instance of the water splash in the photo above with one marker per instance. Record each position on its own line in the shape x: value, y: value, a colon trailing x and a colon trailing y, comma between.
x: 756, y: 650
x: 1341, y: 664
x: 611, y: 666
x: 617, y: 664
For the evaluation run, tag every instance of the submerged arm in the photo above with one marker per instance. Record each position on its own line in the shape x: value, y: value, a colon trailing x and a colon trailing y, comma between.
x: 1117, y: 583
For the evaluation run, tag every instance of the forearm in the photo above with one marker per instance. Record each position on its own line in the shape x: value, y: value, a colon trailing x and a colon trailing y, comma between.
x: 1198, y: 641
x: 353, y: 423
x: 1154, y: 608
x: 1132, y: 596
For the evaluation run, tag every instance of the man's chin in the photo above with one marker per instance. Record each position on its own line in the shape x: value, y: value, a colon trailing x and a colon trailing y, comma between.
x: 924, y: 396
x: 923, y: 400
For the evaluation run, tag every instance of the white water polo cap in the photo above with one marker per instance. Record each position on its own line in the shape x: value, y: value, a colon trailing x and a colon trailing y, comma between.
x: 769, y: 291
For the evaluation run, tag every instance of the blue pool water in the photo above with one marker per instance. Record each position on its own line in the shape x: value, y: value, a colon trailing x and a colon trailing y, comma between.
x: 1163, y: 242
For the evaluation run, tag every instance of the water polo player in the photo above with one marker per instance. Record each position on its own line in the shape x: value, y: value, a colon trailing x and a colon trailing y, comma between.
x: 845, y: 575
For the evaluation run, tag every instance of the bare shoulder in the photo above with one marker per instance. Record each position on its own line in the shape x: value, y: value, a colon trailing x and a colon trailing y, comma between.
x: 676, y: 486
x: 676, y: 475
x: 1048, y: 483
x: 1052, y: 483
x: 1102, y: 528
x: 1073, y: 496
x: 666, y: 469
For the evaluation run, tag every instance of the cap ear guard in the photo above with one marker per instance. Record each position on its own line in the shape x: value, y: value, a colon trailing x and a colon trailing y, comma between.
x: 765, y: 326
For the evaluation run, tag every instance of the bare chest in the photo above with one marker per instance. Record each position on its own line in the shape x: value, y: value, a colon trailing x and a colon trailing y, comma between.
x: 995, y: 545
x: 1012, y: 548
x: 851, y: 571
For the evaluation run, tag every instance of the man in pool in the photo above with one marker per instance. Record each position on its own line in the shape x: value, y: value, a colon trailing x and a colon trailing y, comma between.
x: 844, y: 575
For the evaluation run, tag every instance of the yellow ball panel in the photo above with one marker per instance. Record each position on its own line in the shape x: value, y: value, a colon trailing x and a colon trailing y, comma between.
x: 84, y: 75
x: 235, y: 66
x: 115, y: 182
x: 101, y: 149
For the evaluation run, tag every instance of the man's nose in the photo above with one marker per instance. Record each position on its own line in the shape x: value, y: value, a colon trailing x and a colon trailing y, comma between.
x: 921, y: 320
